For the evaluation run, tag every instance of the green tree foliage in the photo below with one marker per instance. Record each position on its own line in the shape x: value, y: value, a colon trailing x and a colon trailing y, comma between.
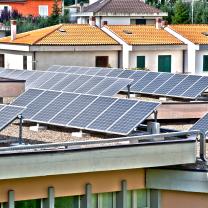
x: 55, y: 16
x: 168, y: 7
x: 181, y: 13
x: 201, y: 12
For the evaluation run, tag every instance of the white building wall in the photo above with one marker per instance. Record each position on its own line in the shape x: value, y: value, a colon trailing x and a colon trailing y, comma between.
x: 199, y: 61
x: 78, y: 58
x: 14, y: 60
x: 113, y: 20
x: 151, y: 59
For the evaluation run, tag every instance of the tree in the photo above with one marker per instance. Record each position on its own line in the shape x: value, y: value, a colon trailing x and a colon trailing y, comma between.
x: 55, y: 16
x: 181, y: 13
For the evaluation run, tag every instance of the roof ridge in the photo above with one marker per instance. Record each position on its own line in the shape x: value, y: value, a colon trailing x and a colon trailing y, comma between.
x: 55, y: 28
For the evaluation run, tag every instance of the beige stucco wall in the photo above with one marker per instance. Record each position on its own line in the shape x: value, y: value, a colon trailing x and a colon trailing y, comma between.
x: 78, y: 58
x: 176, y: 199
x: 151, y: 59
x: 72, y: 184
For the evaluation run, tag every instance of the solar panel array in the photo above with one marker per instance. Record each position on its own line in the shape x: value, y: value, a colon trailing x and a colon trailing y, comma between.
x: 8, y: 113
x: 151, y: 83
x: 87, y: 112
x: 88, y: 84
x: 201, y: 124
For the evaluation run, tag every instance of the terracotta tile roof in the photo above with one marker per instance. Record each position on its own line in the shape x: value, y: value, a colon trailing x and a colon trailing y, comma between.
x: 65, y: 34
x: 144, y: 35
x: 197, y: 34
x: 121, y: 6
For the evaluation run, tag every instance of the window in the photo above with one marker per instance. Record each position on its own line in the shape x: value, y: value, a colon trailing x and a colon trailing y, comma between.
x: 140, y: 21
x: 141, y: 62
x: 24, y: 62
x: 28, y: 203
x: 67, y: 202
x: 101, y: 61
x: 205, y: 63
x: 43, y: 10
x: 164, y: 63
x: 2, y: 60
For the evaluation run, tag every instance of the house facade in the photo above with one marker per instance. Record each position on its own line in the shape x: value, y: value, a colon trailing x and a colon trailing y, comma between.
x: 29, y: 7
x: 196, y: 38
x: 120, y: 12
x: 81, y: 45
x: 148, y: 47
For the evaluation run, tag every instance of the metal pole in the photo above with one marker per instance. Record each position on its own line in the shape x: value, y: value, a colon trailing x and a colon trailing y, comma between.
x: 192, y: 12
x: 155, y: 115
x: 129, y: 90
x: 20, y: 128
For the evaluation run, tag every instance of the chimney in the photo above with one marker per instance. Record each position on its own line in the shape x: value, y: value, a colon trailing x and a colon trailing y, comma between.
x: 13, y: 29
x: 158, y: 23
x: 105, y: 23
x: 92, y: 21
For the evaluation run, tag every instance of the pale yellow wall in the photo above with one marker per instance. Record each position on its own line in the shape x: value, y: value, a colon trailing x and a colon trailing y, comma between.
x: 176, y: 199
x: 151, y: 59
x: 46, y: 59
x: 72, y: 184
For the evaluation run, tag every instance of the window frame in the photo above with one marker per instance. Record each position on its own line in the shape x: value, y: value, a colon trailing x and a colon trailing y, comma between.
x: 43, y: 7
x: 144, y: 62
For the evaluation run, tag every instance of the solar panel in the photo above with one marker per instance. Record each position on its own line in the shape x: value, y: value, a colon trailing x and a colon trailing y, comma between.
x: 196, y: 89
x: 55, y: 79
x: 89, y: 84
x: 168, y: 86
x: 64, y: 82
x: 126, y: 73
x: 115, y: 87
x: 77, y: 83
x: 99, y: 88
x: 82, y: 70
x: 138, y: 75
x: 92, y: 112
x: 113, y: 113
x: 33, y: 78
x: 104, y: 72
x: 73, y: 109
x: 25, y: 75
x: 201, y: 124
x: 27, y: 97
x: 93, y: 71
x: 54, y: 107
x: 115, y: 72
x: 6, y: 72
x: 42, y: 79
x: 15, y: 73
x: 39, y: 103
x: 184, y: 85
x: 136, y: 115
x: 143, y: 82
x: 156, y: 83
x: 63, y: 69
x: 73, y: 69
x: 8, y: 114
x: 54, y: 68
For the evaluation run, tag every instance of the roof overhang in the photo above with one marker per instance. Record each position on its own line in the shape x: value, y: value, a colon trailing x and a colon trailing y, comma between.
x: 177, y: 180
x: 161, y: 47
x: 14, y: 47
x: 110, y: 14
x: 141, y: 155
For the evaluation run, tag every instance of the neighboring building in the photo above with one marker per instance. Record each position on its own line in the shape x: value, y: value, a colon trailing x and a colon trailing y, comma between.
x: 29, y: 7
x: 148, y: 47
x: 196, y: 38
x: 119, y: 12
x: 66, y: 44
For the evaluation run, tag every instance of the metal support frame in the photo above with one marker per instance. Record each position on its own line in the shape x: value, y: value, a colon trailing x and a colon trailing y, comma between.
x: 122, y: 196
x: 128, y: 90
x: 202, y: 140
x: 20, y: 128
x: 155, y: 115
